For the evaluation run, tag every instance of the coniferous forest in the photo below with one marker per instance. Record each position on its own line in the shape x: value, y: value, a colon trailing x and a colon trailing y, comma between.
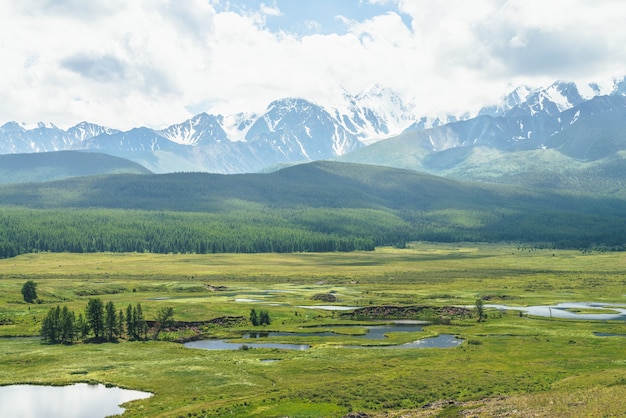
x: 316, y: 207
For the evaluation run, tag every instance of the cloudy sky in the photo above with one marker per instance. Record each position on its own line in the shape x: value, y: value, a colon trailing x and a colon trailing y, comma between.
x: 125, y: 63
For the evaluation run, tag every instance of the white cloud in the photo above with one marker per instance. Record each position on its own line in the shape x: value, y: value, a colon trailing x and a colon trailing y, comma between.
x: 155, y: 62
x: 270, y: 10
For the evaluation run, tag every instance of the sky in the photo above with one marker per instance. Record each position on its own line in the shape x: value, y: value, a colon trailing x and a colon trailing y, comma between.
x: 130, y: 63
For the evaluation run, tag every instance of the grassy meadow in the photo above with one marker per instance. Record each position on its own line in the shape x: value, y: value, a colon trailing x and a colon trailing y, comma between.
x: 509, y: 364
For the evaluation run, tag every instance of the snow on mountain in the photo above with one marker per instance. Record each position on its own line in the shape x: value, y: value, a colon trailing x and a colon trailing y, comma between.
x: 373, y: 114
x: 551, y: 100
x: 237, y: 125
x: 295, y: 129
x: 85, y: 130
x: 299, y: 130
x: 526, y: 118
x: 136, y: 140
x: 45, y: 137
x: 201, y: 128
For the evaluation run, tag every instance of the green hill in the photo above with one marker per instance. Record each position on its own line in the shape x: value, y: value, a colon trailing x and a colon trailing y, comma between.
x: 321, y: 206
x: 47, y: 166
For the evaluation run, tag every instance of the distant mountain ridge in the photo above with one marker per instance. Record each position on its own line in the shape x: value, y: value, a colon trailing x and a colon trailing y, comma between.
x: 290, y: 130
x: 375, y: 126
x: 58, y: 165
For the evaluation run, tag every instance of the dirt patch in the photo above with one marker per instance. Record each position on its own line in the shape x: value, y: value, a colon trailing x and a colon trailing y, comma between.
x: 326, y: 297
x: 408, y: 312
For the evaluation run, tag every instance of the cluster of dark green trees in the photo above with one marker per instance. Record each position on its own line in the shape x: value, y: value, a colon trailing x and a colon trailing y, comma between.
x: 260, y: 318
x: 557, y: 221
x: 109, y: 230
x: 99, y: 321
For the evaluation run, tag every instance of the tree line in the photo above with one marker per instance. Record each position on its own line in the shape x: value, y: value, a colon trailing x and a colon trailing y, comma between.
x: 115, y: 230
x: 284, y: 230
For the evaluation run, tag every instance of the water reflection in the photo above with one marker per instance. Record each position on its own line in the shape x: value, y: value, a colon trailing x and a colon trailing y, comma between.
x: 563, y: 310
x: 328, y: 307
x: 224, y: 345
x: 75, y: 401
x: 376, y: 332
x: 440, y: 341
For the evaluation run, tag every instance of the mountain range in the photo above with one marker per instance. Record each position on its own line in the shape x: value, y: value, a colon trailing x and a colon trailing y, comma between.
x: 290, y: 130
x: 564, y: 135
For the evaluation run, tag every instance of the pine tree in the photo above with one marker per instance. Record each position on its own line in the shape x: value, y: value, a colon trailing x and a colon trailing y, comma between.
x: 50, y: 325
x: 95, y: 316
x: 164, y: 318
x: 110, y: 321
x: 264, y: 318
x: 140, y: 327
x: 253, y: 317
x: 82, y: 326
x: 130, y: 322
x: 67, y: 322
x: 120, y: 323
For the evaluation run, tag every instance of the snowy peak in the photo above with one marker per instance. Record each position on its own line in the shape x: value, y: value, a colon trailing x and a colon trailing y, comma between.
x: 299, y: 130
x: 200, y: 129
x: 237, y: 125
x: 12, y: 127
x: 558, y: 97
x: 553, y: 100
x: 282, y: 113
x: 374, y: 113
x: 136, y: 140
x: 85, y: 130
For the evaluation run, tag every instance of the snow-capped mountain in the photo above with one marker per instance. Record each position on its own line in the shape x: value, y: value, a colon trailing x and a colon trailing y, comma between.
x: 295, y: 130
x: 85, y: 130
x: 524, y: 119
x: 374, y: 114
x: 18, y: 138
x: 558, y: 97
x: 298, y: 130
x: 533, y: 136
x: 289, y: 130
x: 198, y: 130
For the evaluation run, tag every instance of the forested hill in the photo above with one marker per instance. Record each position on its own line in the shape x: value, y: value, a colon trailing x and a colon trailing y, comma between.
x: 40, y: 167
x: 318, y: 184
x: 321, y: 206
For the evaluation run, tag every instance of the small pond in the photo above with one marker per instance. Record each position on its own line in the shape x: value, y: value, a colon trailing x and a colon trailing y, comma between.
x: 328, y: 307
x: 564, y: 310
x: 224, y: 345
x: 75, y: 401
x: 375, y: 332
x: 440, y: 341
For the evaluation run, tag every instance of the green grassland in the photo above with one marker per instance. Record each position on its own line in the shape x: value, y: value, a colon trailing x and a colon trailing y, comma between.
x: 508, y: 364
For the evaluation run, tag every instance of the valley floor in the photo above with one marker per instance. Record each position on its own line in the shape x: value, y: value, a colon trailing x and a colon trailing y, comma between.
x: 510, y: 364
